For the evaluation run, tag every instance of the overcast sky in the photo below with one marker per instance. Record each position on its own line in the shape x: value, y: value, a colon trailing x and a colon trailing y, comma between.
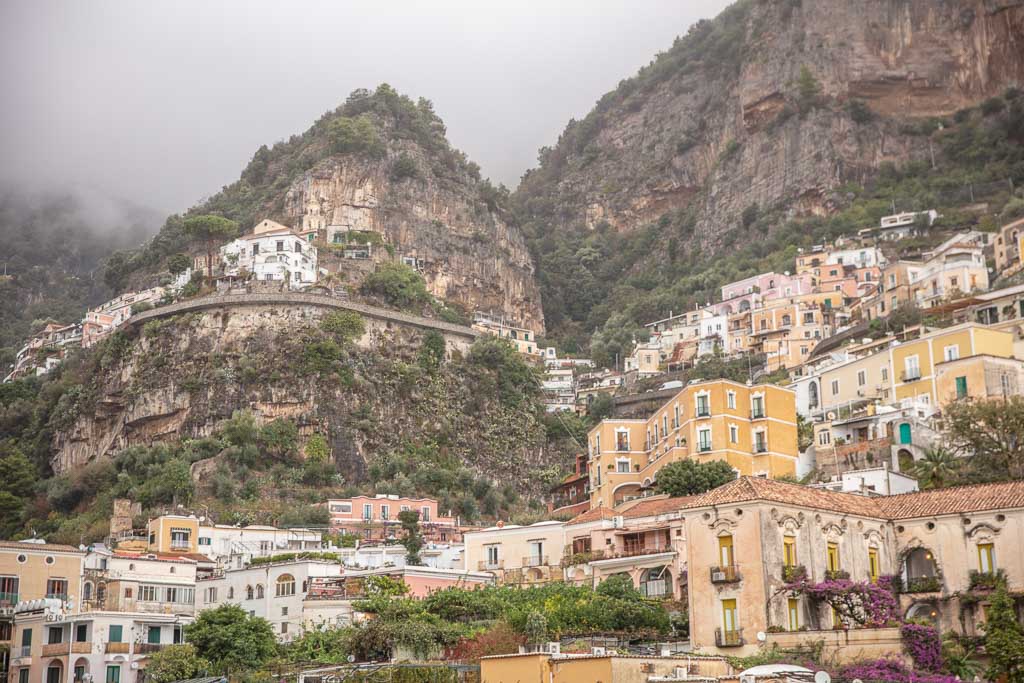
x: 164, y: 101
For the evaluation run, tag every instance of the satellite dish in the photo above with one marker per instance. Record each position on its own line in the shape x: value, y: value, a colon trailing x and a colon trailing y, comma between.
x: 762, y: 636
x: 351, y: 658
x: 823, y: 677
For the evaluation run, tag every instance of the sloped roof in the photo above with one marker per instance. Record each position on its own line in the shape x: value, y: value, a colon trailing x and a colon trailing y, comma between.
x: 39, y: 547
x: 592, y: 515
x: 954, y: 500
x: 755, y: 488
x: 657, y: 506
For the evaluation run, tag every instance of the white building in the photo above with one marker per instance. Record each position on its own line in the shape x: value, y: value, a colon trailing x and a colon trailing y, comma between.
x: 874, y: 481
x: 559, y: 387
x: 860, y: 257
x: 436, y: 555
x: 271, y: 590
x: 236, y: 546
x: 272, y: 252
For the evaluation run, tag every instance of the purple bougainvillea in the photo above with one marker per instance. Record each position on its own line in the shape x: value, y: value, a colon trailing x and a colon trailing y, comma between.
x: 890, y: 670
x: 864, y: 603
x: 923, y: 644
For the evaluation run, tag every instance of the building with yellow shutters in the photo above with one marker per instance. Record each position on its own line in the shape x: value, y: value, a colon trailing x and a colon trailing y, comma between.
x: 753, y: 428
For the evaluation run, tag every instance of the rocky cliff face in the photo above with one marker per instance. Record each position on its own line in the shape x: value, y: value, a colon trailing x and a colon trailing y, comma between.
x: 467, y: 252
x: 182, y: 376
x: 728, y: 117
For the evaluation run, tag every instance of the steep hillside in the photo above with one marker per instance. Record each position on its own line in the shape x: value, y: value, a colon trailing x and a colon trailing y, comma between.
x: 379, y: 164
x: 771, y: 107
x: 53, y: 247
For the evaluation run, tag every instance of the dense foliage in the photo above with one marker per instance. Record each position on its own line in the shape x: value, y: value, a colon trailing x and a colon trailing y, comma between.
x: 230, y: 639
x: 689, y: 477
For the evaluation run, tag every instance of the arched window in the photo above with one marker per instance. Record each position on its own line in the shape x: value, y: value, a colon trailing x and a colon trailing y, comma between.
x: 87, y: 591
x: 248, y: 592
x: 259, y: 591
x: 285, y: 585
x: 786, y: 320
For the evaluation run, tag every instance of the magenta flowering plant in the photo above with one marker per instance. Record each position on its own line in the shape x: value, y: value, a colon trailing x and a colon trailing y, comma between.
x: 923, y: 644
x: 889, y: 670
x: 860, y: 602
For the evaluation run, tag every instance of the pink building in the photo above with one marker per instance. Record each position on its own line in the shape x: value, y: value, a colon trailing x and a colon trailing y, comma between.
x: 752, y: 292
x: 375, y: 518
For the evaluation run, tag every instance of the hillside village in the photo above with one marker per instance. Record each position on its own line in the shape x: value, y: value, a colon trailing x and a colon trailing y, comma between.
x: 831, y: 394
x: 729, y: 388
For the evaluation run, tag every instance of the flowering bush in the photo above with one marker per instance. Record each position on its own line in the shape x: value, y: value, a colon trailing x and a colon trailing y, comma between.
x: 865, y: 604
x: 923, y: 644
x: 890, y: 670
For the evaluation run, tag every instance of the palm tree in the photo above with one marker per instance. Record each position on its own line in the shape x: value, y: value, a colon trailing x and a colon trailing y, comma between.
x: 937, y: 468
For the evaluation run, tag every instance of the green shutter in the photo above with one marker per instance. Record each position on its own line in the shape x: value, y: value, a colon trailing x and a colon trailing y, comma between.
x: 153, y: 636
x: 115, y: 633
x: 961, y: 387
x: 114, y: 673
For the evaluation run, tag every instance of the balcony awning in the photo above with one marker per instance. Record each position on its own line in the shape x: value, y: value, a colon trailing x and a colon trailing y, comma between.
x: 627, y: 531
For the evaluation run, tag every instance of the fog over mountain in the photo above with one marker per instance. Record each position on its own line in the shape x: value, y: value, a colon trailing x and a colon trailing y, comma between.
x: 164, y: 102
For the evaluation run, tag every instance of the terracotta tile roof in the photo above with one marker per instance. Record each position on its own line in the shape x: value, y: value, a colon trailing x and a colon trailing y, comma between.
x: 755, y: 488
x: 39, y: 547
x: 957, y: 499
x: 163, y: 557
x: 593, y: 515
x: 657, y: 506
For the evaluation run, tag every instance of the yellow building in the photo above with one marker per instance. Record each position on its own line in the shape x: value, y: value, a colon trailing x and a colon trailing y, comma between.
x: 33, y: 571
x: 914, y: 362
x: 753, y: 428
x: 173, y: 534
x: 524, y: 340
x: 978, y: 377
x: 542, y: 667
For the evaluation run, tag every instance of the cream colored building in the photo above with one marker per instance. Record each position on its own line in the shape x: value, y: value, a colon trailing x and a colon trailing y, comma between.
x: 523, y: 339
x: 978, y: 378
x: 517, y: 554
x: 1008, y: 252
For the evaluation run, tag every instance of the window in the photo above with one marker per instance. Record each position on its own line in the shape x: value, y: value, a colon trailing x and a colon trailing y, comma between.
x: 961, y: 387
x: 730, y: 624
x: 284, y: 611
x: 492, y: 555
x: 248, y: 592
x: 259, y: 591
x: 255, y: 249
x: 425, y: 513
x: 127, y: 593
x: 824, y: 437
x: 285, y: 585
x: 757, y: 407
x: 180, y: 538
x: 703, y: 405
x: 873, y: 570
x: 833, y: 557
x: 367, y: 511
x: 862, y: 377
x: 81, y: 633
x: 675, y: 423
x: 57, y: 588
x: 725, y: 554
x: 113, y: 674
x: 789, y: 551
x: 951, y: 352
x: 284, y: 627
x: 664, y: 424
x: 835, y: 387
x: 986, y: 558
x: 911, y: 369
x: 385, y: 511
x: 730, y: 399
x: 231, y: 592
x: 885, y: 374
x: 794, y: 614
x: 205, y: 540
x: 153, y: 635
x: 622, y: 465
x: 280, y: 246
x: 298, y: 247
x: 149, y: 593
x: 760, y: 442
x: 114, y: 633
x: 55, y: 635
x: 734, y: 434
x: 23, y: 675
x: 704, y: 440
x: 9, y: 590
x: 211, y: 594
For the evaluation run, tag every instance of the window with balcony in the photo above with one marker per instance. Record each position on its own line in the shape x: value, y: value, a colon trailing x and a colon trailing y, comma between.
x: 9, y: 586
x: 757, y: 407
x: 153, y: 635
x: 760, y: 442
x: 81, y: 633
x: 113, y: 673
x: 621, y: 440
x: 57, y: 588
x: 114, y: 633
x: 729, y: 634
x: 180, y: 539
x: 725, y: 552
x: 704, y: 440
x: 703, y: 405
x: 149, y: 593
x: 55, y: 635
x: 492, y: 555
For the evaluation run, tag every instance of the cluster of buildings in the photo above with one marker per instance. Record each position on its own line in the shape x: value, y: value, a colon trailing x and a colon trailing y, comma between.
x: 83, y: 614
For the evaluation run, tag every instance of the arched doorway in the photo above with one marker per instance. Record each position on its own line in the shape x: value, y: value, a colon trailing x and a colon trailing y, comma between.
x: 926, y: 611
x: 54, y: 672
x: 81, y: 669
